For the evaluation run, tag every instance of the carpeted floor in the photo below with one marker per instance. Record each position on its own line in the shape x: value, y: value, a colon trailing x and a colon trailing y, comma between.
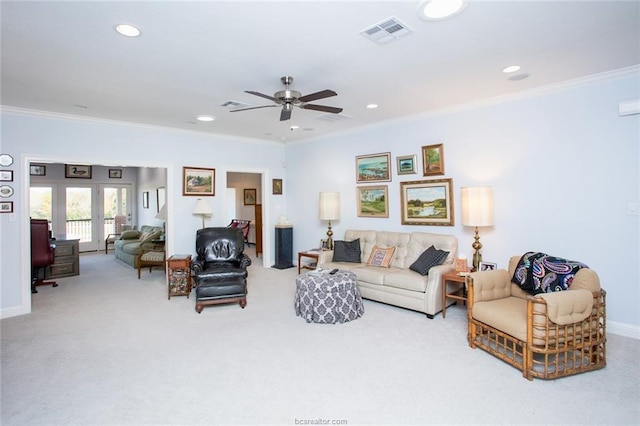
x: 106, y: 348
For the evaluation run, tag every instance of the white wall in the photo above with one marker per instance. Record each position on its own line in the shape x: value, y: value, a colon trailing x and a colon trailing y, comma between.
x: 33, y: 137
x: 563, y: 165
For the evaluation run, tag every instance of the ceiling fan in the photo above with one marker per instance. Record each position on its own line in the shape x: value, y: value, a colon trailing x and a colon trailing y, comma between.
x: 290, y: 98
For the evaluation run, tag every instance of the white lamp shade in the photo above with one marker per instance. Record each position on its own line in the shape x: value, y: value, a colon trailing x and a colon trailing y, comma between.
x: 162, y: 214
x: 329, y: 206
x: 477, y: 206
x: 202, y: 207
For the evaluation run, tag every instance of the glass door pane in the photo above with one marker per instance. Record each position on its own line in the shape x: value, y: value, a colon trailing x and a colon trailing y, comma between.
x: 40, y: 202
x: 117, y: 208
x: 78, y: 216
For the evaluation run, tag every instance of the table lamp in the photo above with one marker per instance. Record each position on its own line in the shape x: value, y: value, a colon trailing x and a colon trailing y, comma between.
x: 329, y: 210
x: 477, y: 210
x: 202, y: 208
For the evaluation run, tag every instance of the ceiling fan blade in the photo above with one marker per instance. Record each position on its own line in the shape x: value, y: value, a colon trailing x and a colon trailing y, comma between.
x: 246, y: 109
x: 285, y: 114
x: 322, y: 108
x: 318, y: 95
x: 262, y: 95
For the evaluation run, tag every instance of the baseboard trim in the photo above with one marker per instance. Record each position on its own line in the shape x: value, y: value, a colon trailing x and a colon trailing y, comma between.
x: 623, y: 329
x: 13, y: 311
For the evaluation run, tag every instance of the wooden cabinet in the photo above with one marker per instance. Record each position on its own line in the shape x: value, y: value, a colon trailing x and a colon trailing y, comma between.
x: 258, y: 224
x: 179, y: 275
x: 67, y: 258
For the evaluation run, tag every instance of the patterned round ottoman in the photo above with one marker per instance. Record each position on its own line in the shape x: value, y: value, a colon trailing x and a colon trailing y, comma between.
x: 328, y: 299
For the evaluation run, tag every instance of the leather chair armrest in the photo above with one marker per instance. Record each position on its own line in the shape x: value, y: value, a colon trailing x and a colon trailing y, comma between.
x: 245, y: 261
x: 324, y: 256
x: 197, y: 266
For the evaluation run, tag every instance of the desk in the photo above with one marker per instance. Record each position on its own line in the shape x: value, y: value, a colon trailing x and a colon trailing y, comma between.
x: 459, y: 294
x: 67, y: 258
x: 311, y: 254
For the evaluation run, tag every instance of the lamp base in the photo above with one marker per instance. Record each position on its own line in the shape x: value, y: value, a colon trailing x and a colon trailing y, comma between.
x: 329, y: 237
x: 477, y: 256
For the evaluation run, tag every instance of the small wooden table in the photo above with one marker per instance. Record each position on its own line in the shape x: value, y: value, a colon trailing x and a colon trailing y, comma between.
x: 459, y: 294
x: 179, y: 275
x: 311, y: 254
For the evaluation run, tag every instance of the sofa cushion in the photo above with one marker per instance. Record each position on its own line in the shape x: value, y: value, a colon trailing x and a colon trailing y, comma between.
x: 429, y: 258
x: 508, y: 314
x: 131, y: 234
x: 149, y: 236
x: 407, y: 280
x: 346, y: 251
x: 381, y: 256
x: 132, y: 248
x: 373, y: 274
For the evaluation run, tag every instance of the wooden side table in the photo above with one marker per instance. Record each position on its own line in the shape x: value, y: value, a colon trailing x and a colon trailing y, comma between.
x: 311, y: 254
x: 179, y: 275
x: 459, y: 294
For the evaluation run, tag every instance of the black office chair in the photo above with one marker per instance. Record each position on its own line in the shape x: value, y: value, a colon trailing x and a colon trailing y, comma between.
x: 42, y: 253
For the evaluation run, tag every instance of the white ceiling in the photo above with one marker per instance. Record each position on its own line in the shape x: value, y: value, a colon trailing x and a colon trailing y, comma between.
x: 65, y: 57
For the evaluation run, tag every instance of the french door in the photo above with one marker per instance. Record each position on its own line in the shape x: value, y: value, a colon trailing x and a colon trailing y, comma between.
x: 86, y: 212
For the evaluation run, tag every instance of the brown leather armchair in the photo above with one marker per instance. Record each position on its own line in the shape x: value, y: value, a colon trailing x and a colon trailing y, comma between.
x: 42, y: 253
x: 220, y: 267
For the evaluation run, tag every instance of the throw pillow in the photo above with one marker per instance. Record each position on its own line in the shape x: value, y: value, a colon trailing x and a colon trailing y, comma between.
x: 380, y: 256
x: 346, y: 251
x: 130, y: 234
x: 428, y: 259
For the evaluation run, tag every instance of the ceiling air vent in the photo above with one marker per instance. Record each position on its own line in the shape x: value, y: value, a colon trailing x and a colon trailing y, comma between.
x: 388, y: 30
x: 333, y: 117
x: 234, y: 104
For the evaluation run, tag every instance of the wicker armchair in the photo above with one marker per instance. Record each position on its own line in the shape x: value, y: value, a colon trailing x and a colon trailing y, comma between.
x: 547, y: 336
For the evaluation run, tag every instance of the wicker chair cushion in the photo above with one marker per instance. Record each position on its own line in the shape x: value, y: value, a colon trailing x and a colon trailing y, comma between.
x: 571, y: 307
x: 508, y: 315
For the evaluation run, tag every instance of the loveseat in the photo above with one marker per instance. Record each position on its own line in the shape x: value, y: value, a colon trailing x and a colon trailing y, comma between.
x: 394, y: 282
x: 128, y: 246
x: 546, y: 335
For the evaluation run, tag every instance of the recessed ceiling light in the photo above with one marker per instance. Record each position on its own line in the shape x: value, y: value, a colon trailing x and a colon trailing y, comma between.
x: 372, y: 106
x: 510, y: 69
x: 127, y: 30
x: 436, y: 10
x: 205, y: 117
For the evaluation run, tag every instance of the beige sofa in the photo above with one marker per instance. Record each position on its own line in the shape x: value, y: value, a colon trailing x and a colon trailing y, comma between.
x: 548, y: 335
x: 398, y: 285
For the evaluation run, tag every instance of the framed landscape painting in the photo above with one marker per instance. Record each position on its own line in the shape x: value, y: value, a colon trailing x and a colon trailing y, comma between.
x: 373, y: 168
x: 427, y: 202
x: 373, y: 201
x: 406, y: 164
x: 198, y: 181
x: 433, y: 160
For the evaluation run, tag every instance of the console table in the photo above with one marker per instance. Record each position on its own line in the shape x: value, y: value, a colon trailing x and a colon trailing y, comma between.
x: 67, y: 258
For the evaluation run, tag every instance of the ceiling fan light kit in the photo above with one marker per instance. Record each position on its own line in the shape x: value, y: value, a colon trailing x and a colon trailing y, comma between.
x: 288, y: 98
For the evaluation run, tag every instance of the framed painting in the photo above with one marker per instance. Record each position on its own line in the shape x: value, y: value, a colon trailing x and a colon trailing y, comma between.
x: 373, y: 201
x: 487, y: 266
x: 427, y: 202
x: 406, y: 164
x: 115, y: 173
x: 198, y: 181
x: 250, y: 197
x: 6, y: 206
x: 145, y: 200
x: 6, y: 175
x: 77, y: 171
x: 37, y: 170
x: 433, y: 160
x: 373, y: 168
x: 277, y: 186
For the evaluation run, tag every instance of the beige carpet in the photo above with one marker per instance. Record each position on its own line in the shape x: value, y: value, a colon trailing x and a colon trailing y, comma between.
x: 107, y: 348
